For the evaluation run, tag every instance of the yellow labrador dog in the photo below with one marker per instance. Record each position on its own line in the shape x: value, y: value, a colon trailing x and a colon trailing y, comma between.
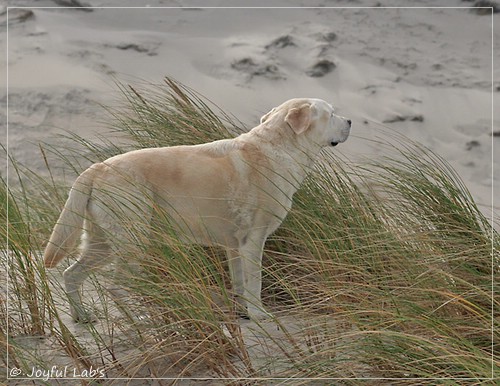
x: 232, y: 193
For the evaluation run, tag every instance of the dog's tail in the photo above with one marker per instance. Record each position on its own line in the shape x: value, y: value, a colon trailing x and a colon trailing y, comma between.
x: 70, y: 223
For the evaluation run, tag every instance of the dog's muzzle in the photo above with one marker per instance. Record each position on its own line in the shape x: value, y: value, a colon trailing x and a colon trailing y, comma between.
x: 345, y: 134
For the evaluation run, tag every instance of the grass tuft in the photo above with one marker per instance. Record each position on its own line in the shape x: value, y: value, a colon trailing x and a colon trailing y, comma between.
x: 382, y: 269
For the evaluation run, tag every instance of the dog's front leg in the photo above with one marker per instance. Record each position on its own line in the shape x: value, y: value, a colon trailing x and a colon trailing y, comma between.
x: 237, y: 278
x: 251, y: 254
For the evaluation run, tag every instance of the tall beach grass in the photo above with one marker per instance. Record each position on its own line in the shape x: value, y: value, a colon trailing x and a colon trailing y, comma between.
x: 382, y: 272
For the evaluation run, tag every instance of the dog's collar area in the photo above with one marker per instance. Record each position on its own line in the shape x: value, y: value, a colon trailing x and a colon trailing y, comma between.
x: 334, y: 143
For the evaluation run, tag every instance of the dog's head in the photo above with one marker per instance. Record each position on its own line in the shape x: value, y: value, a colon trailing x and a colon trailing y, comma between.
x: 313, y: 118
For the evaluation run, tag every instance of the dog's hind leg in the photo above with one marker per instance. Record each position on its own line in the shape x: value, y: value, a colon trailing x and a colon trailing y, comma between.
x: 95, y: 253
x: 121, y: 291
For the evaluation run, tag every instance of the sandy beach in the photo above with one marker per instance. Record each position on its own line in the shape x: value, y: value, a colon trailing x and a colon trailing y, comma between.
x: 423, y: 72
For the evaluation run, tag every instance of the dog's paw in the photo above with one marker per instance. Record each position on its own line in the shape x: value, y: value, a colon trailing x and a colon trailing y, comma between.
x: 83, y: 317
x: 258, y: 314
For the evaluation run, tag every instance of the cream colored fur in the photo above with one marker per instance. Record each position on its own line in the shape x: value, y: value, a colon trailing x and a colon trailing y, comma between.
x: 232, y: 193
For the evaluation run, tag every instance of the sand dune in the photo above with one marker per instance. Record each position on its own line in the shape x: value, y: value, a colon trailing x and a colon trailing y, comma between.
x: 422, y: 72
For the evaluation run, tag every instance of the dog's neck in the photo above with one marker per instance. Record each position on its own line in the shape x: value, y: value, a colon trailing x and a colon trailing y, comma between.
x: 303, y: 154
x: 293, y: 156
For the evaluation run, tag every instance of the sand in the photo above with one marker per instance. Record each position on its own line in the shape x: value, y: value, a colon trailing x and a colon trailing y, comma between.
x: 423, y: 72
x: 417, y: 71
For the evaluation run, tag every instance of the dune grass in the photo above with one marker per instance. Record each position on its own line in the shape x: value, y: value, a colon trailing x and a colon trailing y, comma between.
x: 381, y: 270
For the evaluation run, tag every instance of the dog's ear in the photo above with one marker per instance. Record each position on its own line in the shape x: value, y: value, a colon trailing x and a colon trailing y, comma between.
x: 264, y: 117
x: 299, y: 118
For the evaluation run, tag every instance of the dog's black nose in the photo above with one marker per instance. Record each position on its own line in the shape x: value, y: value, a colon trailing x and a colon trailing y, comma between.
x: 349, y: 122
